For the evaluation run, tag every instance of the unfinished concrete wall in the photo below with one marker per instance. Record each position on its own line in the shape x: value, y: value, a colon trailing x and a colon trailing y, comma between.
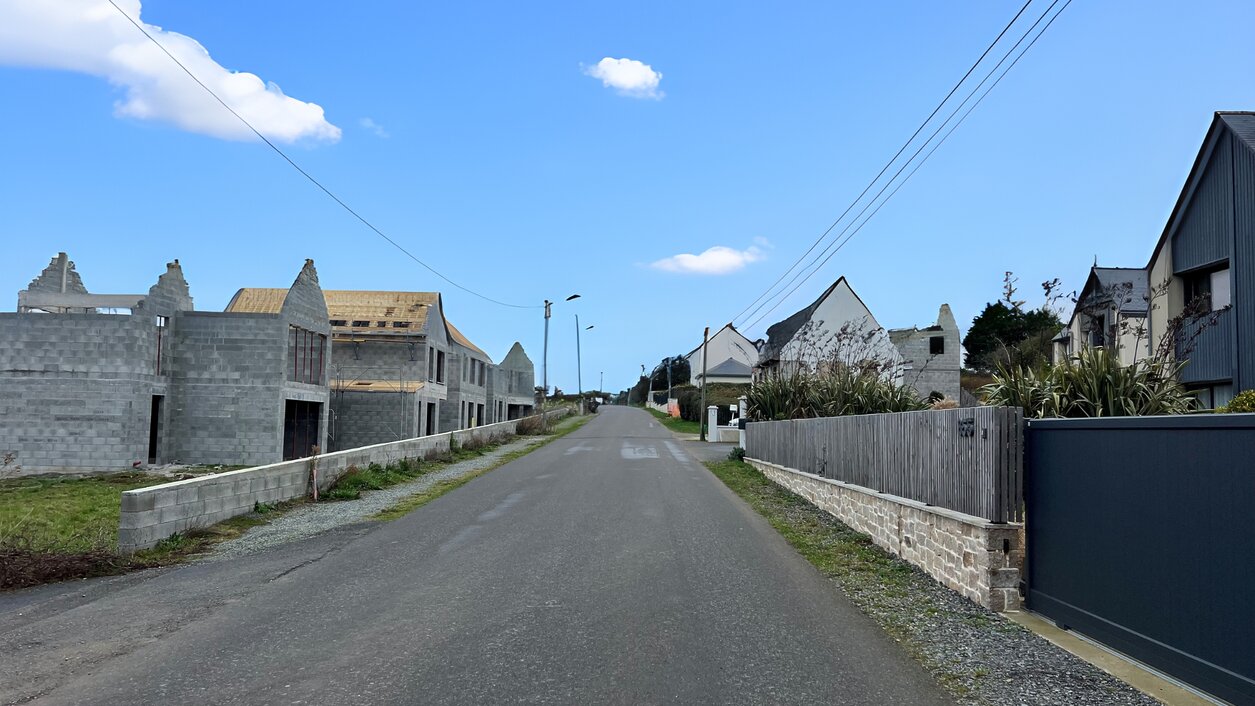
x: 374, y: 417
x: 76, y: 390
x: 154, y: 513
x: 228, y: 383
x: 927, y: 370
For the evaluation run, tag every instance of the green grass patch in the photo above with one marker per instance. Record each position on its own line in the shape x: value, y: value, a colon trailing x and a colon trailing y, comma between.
x: 676, y: 424
x: 835, y: 549
x: 58, y: 513
x: 417, y: 500
x: 55, y: 528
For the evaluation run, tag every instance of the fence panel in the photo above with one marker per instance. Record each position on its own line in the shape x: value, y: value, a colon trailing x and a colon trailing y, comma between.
x: 1139, y: 535
x: 968, y: 460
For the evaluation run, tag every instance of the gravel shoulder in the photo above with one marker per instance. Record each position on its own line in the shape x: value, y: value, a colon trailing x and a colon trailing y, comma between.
x: 976, y: 654
x: 315, y: 518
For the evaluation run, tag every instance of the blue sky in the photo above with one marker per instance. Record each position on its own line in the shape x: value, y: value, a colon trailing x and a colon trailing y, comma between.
x: 493, y: 154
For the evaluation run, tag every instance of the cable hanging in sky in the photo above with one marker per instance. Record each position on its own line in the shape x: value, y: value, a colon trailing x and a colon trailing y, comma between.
x: 888, y: 164
x: 838, y: 242
x: 307, y: 175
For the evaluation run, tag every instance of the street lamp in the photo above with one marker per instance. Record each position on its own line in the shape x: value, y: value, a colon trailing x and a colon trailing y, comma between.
x: 579, y: 370
x: 544, y: 364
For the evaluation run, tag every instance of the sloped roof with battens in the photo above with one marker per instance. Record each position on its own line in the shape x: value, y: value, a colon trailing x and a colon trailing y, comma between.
x: 462, y: 340
x: 351, y: 311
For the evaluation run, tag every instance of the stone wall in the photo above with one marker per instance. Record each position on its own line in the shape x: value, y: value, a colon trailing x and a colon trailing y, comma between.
x: 154, y: 513
x: 978, y: 559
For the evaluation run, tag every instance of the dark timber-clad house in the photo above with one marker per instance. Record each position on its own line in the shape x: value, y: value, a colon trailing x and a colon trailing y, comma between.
x: 1207, y: 252
x: 92, y: 382
x: 1204, y: 260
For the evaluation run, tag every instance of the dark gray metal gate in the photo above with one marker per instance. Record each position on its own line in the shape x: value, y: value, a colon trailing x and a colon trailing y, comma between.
x: 1141, y: 535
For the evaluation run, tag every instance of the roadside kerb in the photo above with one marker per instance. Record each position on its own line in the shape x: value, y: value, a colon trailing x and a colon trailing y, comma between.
x: 156, y: 512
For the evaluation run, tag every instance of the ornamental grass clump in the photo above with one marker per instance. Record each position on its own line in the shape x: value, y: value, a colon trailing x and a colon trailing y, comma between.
x: 836, y: 390
x: 1092, y: 383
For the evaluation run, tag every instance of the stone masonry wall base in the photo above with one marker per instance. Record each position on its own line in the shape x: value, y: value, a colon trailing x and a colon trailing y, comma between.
x: 979, y: 559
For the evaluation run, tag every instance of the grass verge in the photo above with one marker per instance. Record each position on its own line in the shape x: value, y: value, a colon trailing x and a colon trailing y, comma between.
x: 417, y: 500
x: 904, y: 601
x: 60, y: 528
x: 676, y: 424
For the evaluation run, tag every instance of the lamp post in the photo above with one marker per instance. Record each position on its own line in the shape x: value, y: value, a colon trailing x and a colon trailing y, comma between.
x: 544, y: 363
x: 579, y: 370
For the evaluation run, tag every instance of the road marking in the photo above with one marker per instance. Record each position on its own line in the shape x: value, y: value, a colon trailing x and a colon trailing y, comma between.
x: 499, y: 510
x: 633, y: 453
x: 457, y: 540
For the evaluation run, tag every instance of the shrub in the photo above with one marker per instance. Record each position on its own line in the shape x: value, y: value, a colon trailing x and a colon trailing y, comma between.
x: 530, y: 426
x: 1092, y: 384
x: 1242, y: 403
x: 944, y: 403
x: 736, y: 454
x: 835, y: 391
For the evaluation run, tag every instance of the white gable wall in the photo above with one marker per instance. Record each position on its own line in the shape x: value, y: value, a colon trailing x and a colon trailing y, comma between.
x: 726, y: 343
x: 815, y: 343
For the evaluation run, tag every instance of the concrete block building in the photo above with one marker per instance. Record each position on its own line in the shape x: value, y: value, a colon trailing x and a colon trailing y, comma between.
x: 399, y: 370
x: 512, y: 385
x: 930, y: 356
x: 92, y: 382
x: 468, y: 387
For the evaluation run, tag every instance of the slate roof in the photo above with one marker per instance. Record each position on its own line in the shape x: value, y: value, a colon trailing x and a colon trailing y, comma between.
x: 1131, y: 284
x: 729, y: 368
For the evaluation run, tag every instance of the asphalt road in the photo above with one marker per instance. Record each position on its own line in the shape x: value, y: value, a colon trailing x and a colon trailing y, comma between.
x: 608, y: 566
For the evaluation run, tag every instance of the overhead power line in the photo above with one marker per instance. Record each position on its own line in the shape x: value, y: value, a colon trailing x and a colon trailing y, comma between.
x: 307, y: 175
x: 850, y: 230
x: 888, y: 164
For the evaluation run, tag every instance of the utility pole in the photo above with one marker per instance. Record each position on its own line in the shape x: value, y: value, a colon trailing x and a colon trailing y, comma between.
x: 579, y: 371
x: 668, y: 380
x: 544, y: 363
x: 705, y: 340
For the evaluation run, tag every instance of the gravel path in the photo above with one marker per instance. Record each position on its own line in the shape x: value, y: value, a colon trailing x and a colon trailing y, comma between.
x: 314, y: 518
x: 981, y: 657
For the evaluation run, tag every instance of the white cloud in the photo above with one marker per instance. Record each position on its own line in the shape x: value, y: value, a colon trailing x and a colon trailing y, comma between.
x: 92, y: 37
x: 627, y: 76
x: 374, y: 127
x: 718, y: 260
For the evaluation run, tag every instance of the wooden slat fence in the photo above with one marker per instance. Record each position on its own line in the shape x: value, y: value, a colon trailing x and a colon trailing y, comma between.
x: 970, y: 460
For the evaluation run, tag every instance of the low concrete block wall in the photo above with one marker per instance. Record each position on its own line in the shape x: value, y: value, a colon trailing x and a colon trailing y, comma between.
x: 979, y: 559
x: 151, y: 514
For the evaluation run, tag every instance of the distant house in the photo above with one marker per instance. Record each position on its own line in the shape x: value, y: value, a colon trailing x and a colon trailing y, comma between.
x: 400, y: 370
x: 732, y: 358
x: 98, y: 382
x: 836, y: 327
x: 931, y: 356
x: 513, y: 385
x: 1110, y: 311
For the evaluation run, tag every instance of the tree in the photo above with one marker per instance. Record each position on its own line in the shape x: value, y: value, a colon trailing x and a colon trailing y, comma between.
x: 1007, y: 333
x: 638, y: 392
x: 680, y: 372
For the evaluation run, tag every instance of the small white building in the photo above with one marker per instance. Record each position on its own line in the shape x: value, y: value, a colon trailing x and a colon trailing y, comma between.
x: 732, y: 357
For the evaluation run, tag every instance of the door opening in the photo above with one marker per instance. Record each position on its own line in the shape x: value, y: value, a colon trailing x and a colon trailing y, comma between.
x: 300, y: 428
x: 154, y: 429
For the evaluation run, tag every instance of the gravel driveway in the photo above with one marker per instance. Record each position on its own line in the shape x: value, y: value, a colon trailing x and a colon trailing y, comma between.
x: 313, y: 518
